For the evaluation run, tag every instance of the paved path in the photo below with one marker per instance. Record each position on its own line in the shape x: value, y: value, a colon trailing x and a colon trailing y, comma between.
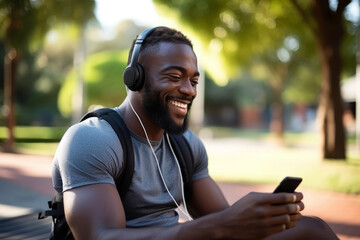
x: 25, y: 186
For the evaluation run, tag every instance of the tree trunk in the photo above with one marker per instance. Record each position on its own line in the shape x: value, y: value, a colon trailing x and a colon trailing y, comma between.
x: 10, y: 65
x: 331, y: 109
x: 330, y: 112
x: 277, y: 109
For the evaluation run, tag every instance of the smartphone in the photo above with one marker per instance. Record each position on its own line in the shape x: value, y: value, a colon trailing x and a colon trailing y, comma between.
x: 288, y: 184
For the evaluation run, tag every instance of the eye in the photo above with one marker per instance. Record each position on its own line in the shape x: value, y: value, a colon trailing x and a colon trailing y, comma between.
x: 194, y: 81
x: 175, y: 77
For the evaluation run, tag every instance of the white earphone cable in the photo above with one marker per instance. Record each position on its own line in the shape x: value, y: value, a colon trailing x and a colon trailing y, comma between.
x: 186, y: 213
x: 182, y: 182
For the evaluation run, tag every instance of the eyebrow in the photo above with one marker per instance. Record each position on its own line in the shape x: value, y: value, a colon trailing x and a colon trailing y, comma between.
x: 181, y: 69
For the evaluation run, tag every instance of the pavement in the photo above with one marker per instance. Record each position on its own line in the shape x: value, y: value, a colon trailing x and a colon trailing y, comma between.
x: 25, y: 187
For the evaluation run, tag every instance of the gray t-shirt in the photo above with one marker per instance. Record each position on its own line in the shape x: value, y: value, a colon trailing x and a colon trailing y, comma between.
x: 90, y: 153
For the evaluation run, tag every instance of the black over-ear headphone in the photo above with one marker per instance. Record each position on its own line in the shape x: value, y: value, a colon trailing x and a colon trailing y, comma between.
x: 134, y: 74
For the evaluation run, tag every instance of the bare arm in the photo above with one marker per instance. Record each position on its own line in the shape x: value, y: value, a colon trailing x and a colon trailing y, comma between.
x: 92, y: 208
x: 206, y: 198
x: 96, y: 212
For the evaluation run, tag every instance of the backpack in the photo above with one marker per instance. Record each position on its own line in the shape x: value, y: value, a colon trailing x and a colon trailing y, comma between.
x: 182, y: 150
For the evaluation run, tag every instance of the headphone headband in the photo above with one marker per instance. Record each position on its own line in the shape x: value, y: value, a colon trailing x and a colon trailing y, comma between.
x: 138, y: 43
x: 133, y: 75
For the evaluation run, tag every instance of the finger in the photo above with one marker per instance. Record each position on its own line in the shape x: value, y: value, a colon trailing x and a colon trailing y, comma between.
x: 276, y: 224
x: 277, y: 220
x: 299, y: 196
x: 291, y: 208
x: 290, y: 225
x: 302, y: 206
x: 295, y: 217
x: 288, y: 221
x: 281, y: 198
x: 293, y: 220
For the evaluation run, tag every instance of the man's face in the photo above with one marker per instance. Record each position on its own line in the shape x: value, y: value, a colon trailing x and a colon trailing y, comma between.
x: 171, y: 76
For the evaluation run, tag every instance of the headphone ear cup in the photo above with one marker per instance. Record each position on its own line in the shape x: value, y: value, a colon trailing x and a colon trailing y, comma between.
x: 134, y: 77
x: 140, y: 81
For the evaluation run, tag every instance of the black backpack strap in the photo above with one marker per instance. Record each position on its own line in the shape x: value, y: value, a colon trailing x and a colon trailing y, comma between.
x: 180, y: 146
x: 60, y: 228
x: 182, y: 150
x: 56, y: 206
x: 117, y: 123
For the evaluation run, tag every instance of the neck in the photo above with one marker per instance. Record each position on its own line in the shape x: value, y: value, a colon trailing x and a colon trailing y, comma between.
x: 137, y: 120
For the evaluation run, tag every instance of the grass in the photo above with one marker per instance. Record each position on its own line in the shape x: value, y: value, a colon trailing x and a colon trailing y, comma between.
x: 37, y: 148
x: 35, y: 133
x: 35, y: 139
x: 270, y: 164
x: 244, y: 156
x: 241, y: 156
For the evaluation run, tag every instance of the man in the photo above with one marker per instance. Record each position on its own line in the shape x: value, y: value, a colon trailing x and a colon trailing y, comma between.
x: 162, y: 77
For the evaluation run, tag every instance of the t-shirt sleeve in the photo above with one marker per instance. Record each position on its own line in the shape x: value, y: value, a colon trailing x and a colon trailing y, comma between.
x: 89, y: 153
x: 200, y: 156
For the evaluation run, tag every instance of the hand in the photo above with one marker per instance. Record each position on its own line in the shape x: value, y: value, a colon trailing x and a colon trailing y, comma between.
x: 259, y: 215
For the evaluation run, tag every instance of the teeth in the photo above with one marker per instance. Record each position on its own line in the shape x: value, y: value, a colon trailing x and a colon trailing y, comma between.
x: 179, y: 104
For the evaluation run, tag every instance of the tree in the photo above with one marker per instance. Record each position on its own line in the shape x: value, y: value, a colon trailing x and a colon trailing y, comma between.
x: 230, y: 30
x: 24, y: 24
x: 245, y: 29
x: 327, y: 26
x: 290, y: 79
x: 102, y: 75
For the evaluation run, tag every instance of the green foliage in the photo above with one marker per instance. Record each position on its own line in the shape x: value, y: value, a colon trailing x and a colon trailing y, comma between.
x: 26, y: 22
x: 255, y: 35
x: 236, y: 94
x: 35, y: 140
x: 238, y: 30
x: 304, y: 88
x: 35, y: 134
x: 102, y: 74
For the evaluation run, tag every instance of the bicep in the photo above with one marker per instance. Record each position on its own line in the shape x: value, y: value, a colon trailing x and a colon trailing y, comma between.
x: 206, y: 198
x: 93, y: 208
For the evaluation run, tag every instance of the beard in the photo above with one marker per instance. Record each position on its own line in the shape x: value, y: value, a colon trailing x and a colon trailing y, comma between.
x: 160, y: 114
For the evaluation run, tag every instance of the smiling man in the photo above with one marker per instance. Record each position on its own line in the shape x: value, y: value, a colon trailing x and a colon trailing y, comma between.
x: 166, y: 99
x: 162, y: 77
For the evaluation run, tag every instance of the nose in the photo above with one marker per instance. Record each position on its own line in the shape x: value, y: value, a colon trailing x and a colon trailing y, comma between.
x: 188, y: 88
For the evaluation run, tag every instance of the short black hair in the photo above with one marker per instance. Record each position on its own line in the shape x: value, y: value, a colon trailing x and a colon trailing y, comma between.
x: 161, y: 34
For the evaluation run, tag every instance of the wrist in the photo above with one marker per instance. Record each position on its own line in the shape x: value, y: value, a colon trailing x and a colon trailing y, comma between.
x: 209, y: 227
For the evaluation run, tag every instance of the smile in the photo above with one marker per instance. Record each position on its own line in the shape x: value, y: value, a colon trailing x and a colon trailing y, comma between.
x: 179, y: 104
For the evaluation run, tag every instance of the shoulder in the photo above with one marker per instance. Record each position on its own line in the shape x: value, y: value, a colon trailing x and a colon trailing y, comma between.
x: 90, y: 133
x: 89, y: 152
x: 197, y: 147
x: 199, y: 154
x: 191, y: 136
x: 193, y: 140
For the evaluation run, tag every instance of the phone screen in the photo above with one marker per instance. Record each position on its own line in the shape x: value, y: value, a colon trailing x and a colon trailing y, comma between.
x: 288, y: 184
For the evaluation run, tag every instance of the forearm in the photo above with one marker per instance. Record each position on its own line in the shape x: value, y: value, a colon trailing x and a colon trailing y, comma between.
x: 201, y: 228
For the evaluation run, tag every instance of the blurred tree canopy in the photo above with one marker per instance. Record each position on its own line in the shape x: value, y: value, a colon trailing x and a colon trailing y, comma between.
x: 102, y: 74
x: 252, y: 37
x: 24, y: 25
x: 277, y: 40
x: 102, y: 70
